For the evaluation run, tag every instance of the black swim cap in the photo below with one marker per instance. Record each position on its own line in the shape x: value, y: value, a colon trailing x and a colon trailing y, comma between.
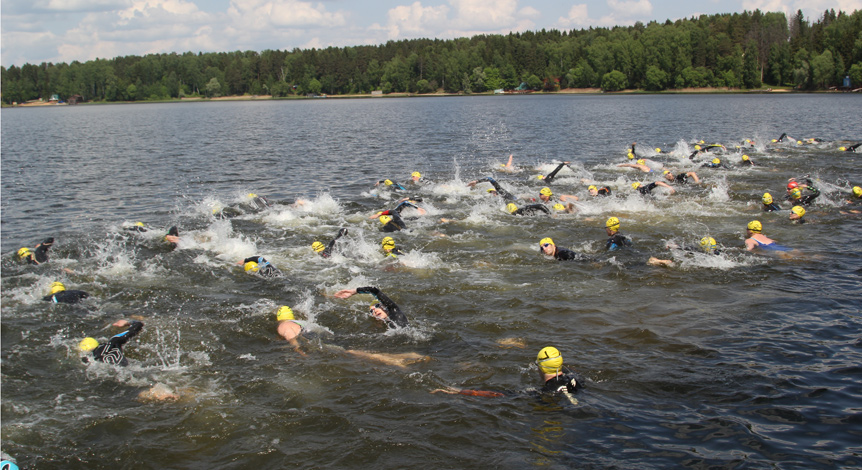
x: 48, y: 241
x: 174, y: 231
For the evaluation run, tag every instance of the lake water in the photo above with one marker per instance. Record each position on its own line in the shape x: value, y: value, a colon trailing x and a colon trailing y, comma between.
x: 740, y: 360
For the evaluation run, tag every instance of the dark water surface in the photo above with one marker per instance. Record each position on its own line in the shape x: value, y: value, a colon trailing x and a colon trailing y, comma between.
x: 733, y: 361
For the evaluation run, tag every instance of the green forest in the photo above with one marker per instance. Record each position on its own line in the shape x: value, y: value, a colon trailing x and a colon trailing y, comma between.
x: 748, y: 50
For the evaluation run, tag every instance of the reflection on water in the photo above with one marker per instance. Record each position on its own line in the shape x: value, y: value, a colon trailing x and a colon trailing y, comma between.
x: 721, y: 360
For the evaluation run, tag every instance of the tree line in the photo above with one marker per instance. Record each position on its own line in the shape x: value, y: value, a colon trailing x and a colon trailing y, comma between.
x: 740, y: 50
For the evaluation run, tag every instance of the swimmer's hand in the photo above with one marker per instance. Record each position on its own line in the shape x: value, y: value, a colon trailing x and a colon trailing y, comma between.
x: 449, y: 390
x: 345, y: 293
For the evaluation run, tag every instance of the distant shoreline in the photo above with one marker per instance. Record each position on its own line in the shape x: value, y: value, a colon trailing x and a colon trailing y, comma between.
x: 566, y: 91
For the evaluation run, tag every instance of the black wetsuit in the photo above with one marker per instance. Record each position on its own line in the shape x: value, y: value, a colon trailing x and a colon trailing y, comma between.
x: 647, y: 189
x: 66, y: 297
x: 394, y: 225
x: 532, y: 209
x: 852, y: 148
x: 771, y: 207
x: 714, y: 165
x: 327, y: 252
x: 565, y: 254
x: 702, y: 150
x: 136, y: 228
x: 393, y: 253
x: 112, y: 351
x: 500, y: 190
x: 681, y: 178
x: 781, y: 139
x: 396, y: 317
x: 617, y: 241
x: 264, y: 268
x: 40, y: 254
x: 603, y: 191
x: 257, y: 204
x: 807, y: 198
x: 562, y: 383
x: 394, y: 185
x: 553, y: 174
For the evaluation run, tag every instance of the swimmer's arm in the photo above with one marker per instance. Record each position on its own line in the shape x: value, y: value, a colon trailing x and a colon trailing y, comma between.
x: 662, y: 183
x: 568, y: 197
x: 472, y: 393
x: 693, y: 176
x: 750, y: 244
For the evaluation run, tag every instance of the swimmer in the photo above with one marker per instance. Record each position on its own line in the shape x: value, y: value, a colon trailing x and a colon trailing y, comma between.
x: 708, y: 245
x: 384, y: 310
x: 255, y: 203
x: 701, y: 149
x: 780, y: 139
x: 715, y: 163
x: 550, y: 176
x: 497, y: 188
x: 681, y: 178
x: 548, y: 248
x: 392, y: 221
x: 111, y: 352
x: 289, y: 327
x: 59, y: 294
x: 850, y: 148
x: 796, y: 214
x: 768, y: 204
x: 746, y: 161
x: 173, y: 236
x: 139, y: 227
x: 640, y: 165
x: 596, y: 191
x: 260, y: 266
x: 755, y: 239
x: 326, y: 250
x: 389, y: 249
x: 530, y: 209
x: 796, y: 196
x: 616, y: 240
x: 415, y: 177
x: 224, y: 213
x: 557, y: 380
x: 37, y: 255
x: 508, y: 167
x: 547, y: 197
x: 647, y: 189
x: 391, y: 185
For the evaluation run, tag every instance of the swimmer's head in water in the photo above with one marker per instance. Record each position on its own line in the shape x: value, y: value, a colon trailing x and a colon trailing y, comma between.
x: 857, y: 191
x: 284, y: 313
x: 631, y: 156
x: 24, y: 252
x: 385, y: 219
x: 88, y: 344
x: 657, y: 150
x: 755, y: 226
x: 636, y: 185
x: 251, y: 195
x: 416, y: 175
x: 641, y: 162
x: 378, y: 311
x: 546, y: 241
x: 767, y: 198
x: 697, y: 147
x: 540, y: 177
x: 387, y: 182
x: 791, y: 185
x: 716, y: 161
x: 251, y: 266
x: 57, y: 287
x: 799, y: 211
x: 546, y: 191
x: 549, y: 360
x: 174, y: 231
x: 613, y: 223
x: 592, y: 188
x: 842, y: 149
x: 745, y: 158
x: 796, y: 193
x: 708, y: 244
x: 559, y: 207
x: 492, y: 190
x: 511, y: 208
x: 317, y: 247
x: 139, y: 224
x: 388, y: 244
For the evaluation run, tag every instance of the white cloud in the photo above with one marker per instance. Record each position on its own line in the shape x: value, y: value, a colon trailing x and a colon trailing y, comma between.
x: 415, y: 20
x: 484, y: 14
x: 284, y: 13
x: 578, y: 17
x: 630, y: 9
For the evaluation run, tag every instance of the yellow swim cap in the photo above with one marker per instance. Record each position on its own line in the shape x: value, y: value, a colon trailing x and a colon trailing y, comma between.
x: 388, y: 242
x: 657, y: 150
x: 755, y: 226
x: 665, y: 172
x: 857, y: 191
x: 774, y: 140
x: 388, y: 182
x: 796, y: 193
x: 546, y: 240
x: 416, y: 174
x: 546, y: 191
x: 767, y: 198
x: 592, y: 188
x: 641, y: 162
x: 798, y: 142
x: 511, y: 207
x: 251, y: 266
x: 24, y: 252
x: 715, y: 161
x: 559, y: 207
x: 745, y: 158
x: 549, y: 360
x: 631, y: 156
x: 284, y: 313
x: 697, y: 147
x: 540, y: 177
x: 613, y: 223
x: 842, y: 148
x: 317, y: 247
x: 139, y: 224
x: 384, y: 219
x: 636, y: 185
x: 251, y: 195
x: 492, y: 190
x: 708, y: 244
x: 57, y: 287
x: 88, y: 344
x: 798, y: 210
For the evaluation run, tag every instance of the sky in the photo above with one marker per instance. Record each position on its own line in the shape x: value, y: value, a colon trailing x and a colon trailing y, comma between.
x: 36, y: 31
